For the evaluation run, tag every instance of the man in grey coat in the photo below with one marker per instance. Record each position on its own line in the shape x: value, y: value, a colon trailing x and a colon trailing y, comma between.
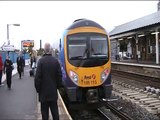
x: 48, y: 79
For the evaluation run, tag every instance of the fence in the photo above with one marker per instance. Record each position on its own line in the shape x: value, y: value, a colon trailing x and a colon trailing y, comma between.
x: 13, y: 56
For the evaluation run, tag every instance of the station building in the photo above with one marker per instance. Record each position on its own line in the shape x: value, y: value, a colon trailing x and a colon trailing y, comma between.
x: 138, y: 39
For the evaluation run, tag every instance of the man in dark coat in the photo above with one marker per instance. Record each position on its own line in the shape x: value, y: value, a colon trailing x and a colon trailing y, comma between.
x: 20, y: 65
x: 8, y: 67
x: 48, y: 79
x: 23, y: 60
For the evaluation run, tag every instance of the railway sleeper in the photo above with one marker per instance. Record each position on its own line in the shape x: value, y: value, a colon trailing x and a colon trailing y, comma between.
x: 152, y: 110
x: 154, y: 104
x: 137, y: 96
x: 144, y: 100
x: 127, y: 91
x: 152, y: 101
x: 115, y: 93
x: 154, y: 96
x: 158, y: 106
x: 158, y: 110
x: 140, y: 97
x: 134, y: 93
x: 120, y: 90
x: 148, y: 104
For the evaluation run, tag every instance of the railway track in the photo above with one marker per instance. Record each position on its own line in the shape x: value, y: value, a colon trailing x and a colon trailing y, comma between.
x: 99, y: 111
x: 131, y: 88
x: 145, y: 80
x: 110, y: 112
x: 88, y: 115
x: 107, y: 112
x: 117, y: 112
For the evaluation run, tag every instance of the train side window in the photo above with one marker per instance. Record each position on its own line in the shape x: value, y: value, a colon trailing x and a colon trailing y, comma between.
x: 60, y: 45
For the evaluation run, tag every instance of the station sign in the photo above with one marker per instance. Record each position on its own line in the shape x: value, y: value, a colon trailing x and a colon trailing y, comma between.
x: 8, y: 48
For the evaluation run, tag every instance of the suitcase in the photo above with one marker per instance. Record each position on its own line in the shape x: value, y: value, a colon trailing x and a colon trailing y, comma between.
x: 31, y: 72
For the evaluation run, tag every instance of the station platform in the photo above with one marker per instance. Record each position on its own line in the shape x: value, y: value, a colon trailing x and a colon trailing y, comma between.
x: 133, y: 63
x: 137, y: 62
x: 21, y: 102
x: 145, y: 68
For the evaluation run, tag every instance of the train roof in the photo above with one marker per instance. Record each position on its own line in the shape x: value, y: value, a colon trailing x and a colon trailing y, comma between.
x: 84, y: 22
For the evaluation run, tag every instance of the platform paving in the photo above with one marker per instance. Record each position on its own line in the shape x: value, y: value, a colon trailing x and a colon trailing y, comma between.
x: 21, y: 102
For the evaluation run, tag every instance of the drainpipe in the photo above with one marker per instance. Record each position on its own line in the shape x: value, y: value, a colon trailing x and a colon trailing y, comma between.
x: 137, y: 48
x: 157, y: 47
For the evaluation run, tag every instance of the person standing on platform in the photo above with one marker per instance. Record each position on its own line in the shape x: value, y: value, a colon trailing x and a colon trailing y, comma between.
x: 32, y: 60
x: 19, y: 65
x: 8, y: 67
x: 47, y: 80
x: 23, y: 60
x: 1, y: 68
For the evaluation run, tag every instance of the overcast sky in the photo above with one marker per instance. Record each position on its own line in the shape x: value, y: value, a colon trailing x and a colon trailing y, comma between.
x: 46, y: 20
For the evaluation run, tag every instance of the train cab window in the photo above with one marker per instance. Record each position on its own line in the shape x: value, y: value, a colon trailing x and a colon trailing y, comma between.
x: 77, y: 47
x: 98, y: 47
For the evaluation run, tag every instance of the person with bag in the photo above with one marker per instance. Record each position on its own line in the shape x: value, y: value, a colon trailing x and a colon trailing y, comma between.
x: 20, y: 65
x: 47, y: 80
x: 32, y: 60
x: 8, y: 67
x: 1, y: 68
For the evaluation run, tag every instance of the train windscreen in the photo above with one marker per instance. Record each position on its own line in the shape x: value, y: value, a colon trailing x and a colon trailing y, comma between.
x: 87, y: 49
x: 77, y: 47
x: 98, y: 47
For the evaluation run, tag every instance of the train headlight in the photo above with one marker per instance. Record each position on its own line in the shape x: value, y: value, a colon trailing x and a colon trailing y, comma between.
x: 73, y: 76
x: 104, y: 75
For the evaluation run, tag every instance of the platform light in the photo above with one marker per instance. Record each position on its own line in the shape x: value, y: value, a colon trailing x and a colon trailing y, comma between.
x: 141, y: 35
x: 129, y: 37
x: 16, y: 24
x: 8, y: 25
x: 120, y: 39
x: 154, y: 33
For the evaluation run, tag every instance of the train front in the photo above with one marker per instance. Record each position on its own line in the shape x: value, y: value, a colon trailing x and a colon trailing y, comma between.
x: 87, y: 62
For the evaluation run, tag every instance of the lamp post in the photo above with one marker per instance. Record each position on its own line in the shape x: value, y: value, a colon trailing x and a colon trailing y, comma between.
x: 8, y: 31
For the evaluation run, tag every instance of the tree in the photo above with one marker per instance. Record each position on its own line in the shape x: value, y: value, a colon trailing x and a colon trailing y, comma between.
x: 40, y: 52
x: 30, y: 50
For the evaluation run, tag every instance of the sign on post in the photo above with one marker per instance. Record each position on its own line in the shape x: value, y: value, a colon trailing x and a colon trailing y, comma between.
x: 8, y: 48
x: 28, y: 43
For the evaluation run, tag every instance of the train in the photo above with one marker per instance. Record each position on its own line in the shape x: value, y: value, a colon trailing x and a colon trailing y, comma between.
x: 85, y: 59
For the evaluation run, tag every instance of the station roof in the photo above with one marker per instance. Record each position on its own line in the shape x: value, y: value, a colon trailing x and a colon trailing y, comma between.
x: 145, y: 21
